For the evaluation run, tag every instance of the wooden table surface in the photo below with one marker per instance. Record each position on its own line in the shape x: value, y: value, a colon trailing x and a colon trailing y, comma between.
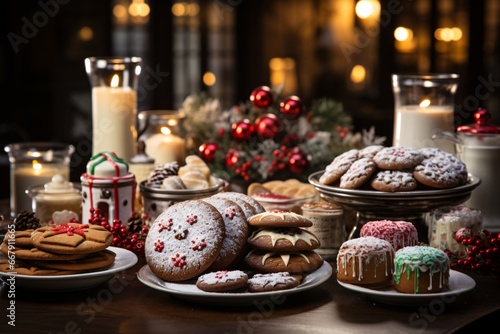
x: 125, y: 305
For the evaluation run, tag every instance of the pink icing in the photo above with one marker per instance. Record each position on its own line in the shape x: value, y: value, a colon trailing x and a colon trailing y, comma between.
x: 399, y: 233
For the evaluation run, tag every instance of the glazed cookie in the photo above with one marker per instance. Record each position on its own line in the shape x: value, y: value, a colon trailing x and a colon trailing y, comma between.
x: 441, y: 171
x: 239, y: 198
x: 272, y: 282
x: 72, y: 238
x: 25, y: 268
x: 222, y: 280
x: 277, y: 218
x: 397, y: 158
x: 272, y: 262
x: 394, y: 181
x: 37, y: 254
x: 237, y: 231
x: 94, y: 261
x: 184, y: 240
x: 338, y: 167
x: 369, y: 151
x: 288, y: 239
x: 360, y: 171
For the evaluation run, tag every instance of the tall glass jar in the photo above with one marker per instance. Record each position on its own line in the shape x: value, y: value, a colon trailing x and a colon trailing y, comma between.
x: 34, y: 164
x: 423, y: 107
x: 114, y: 104
x: 163, y: 135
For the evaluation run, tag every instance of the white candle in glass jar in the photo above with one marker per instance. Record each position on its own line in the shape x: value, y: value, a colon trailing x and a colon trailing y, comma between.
x: 25, y: 176
x: 166, y: 147
x: 416, y: 124
x: 114, y: 111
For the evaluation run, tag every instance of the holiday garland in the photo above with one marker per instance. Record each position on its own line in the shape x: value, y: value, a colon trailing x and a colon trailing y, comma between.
x: 268, y: 137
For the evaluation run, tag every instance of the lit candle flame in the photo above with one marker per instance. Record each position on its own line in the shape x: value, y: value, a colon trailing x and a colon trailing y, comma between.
x: 36, y: 165
x: 425, y: 103
x: 166, y: 131
x: 115, y: 80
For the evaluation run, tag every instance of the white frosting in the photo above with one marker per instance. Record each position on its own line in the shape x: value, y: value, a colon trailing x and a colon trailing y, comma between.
x: 290, y: 235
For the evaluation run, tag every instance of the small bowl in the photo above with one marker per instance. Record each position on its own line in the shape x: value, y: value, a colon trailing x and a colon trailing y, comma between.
x: 156, y: 200
x: 272, y: 202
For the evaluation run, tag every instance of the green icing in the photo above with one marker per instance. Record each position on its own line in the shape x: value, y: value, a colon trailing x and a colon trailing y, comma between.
x: 99, y: 158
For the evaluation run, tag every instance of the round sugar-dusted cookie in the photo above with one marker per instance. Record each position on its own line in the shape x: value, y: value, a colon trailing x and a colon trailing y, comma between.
x: 239, y: 198
x: 184, y: 240
x: 441, y: 171
x: 272, y: 282
x: 34, y: 253
x: 360, y: 171
x: 369, y: 151
x: 393, y: 181
x: 338, y: 167
x: 237, y: 232
x: 72, y: 238
x: 222, y: 280
x: 288, y: 239
x: 272, y: 262
x: 397, y: 158
x: 436, y: 153
x: 94, y: 261
x: 278, y: 218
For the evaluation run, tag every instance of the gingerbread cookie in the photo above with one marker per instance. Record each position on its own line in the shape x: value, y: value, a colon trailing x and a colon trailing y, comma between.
x: 394, y: 181
x: 271, y: 262
x: 184, y: 240
x: 94, y: 261
x: 237, y: 231
x: 272, y: 282
x: 21, y: 238
x: 72, y: 238
x: 441, y: 171
x: 37, y: 254
x: 25, y: 268
x: 338, y: 167
x: 360, y: 171
x: 222, y: 280
x: 288, y: 239
x: 277, y: 218
x: 397, y: 158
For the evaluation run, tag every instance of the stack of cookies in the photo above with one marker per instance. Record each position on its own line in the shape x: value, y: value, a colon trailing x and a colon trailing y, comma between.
x: 280, y: 243
x: 67, y: 248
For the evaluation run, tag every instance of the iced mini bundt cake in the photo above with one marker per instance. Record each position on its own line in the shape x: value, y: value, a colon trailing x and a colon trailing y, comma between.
x: 399, y: 233
x: 365, y: 261
x: 421, y: 269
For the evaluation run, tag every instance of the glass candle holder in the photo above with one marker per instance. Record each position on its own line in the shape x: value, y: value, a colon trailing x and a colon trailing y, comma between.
x: 161, y: 132
x: 423, y: 107
x: 114, y: 104
x: 34, y: 164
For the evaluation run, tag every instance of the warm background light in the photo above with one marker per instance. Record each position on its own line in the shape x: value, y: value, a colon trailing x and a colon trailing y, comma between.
x: 358, y: 74
x: 209, y: 79
x: 86, y: 33
x: 367, y: 8
x: 403, y: 34
x: 448, y: 34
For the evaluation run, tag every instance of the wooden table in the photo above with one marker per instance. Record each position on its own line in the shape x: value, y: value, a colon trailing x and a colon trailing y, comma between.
x: 125, y: 305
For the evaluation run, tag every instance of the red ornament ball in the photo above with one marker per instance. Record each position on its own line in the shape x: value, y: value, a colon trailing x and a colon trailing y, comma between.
x: 232, y: 158
x: 207, y: 151
x: 243, y: 130
x: 292, y: 107
x: 261, y: 97
x: 268, y: 126
x: 297, y: 162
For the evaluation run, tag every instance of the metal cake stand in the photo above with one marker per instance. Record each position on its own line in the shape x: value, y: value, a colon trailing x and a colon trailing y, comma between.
x: 411, y: 206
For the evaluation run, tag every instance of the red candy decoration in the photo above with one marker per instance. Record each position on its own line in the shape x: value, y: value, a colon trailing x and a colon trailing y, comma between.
x: 262, y: 97
x: 159, y: 245
x: 207, y: 151
x: 167, y: 226
x: 297, y: 162
x: 191, y: 219
x: 242, y: 131
x: 198, y: 244
x: 69, y: 230
x: 179, y: 260
x: 292, y: 107
x: 268, y: 126
x: 230, y: 212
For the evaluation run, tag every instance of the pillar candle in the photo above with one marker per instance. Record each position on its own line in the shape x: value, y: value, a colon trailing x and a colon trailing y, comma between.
x: 166, y: 148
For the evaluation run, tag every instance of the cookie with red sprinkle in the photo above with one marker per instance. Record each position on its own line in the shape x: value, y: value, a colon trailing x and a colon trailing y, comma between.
x: 185, y: 240
x: 222, y: 280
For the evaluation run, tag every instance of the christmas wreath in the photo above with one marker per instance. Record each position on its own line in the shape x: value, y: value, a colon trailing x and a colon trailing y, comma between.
x: 267, y: 137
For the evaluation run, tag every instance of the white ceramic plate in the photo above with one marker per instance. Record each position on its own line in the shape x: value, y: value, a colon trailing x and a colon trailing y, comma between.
x: 124, y: 259
x: 459, y: 284
x: 188, y: 291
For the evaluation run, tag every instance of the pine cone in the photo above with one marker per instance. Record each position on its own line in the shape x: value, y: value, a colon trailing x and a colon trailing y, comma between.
x: 157, y: 176
x: 135, y: 223
x: 26, y: 220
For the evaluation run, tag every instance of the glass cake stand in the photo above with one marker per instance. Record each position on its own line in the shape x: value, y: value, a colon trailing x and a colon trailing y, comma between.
x: 409, y: 206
